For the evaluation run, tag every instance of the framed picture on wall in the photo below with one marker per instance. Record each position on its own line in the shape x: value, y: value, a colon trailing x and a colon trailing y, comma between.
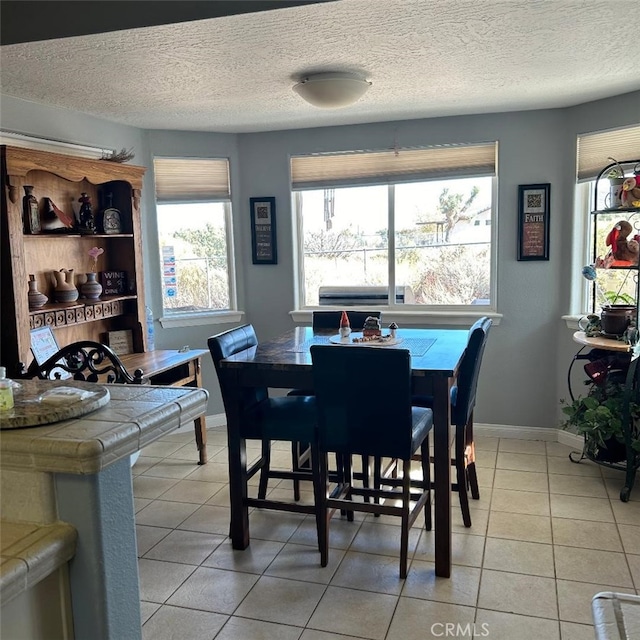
x: 533, y: 221
x: 263, y: 230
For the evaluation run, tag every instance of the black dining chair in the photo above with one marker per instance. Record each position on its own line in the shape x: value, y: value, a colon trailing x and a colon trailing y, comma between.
x: 264, y: 418
x: 363, y: 398
x: 463, y: 400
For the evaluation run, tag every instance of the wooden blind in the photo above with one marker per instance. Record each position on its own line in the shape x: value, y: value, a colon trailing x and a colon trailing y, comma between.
x: 191, y: 179
x: 595, y: 149
x: 393, y: 166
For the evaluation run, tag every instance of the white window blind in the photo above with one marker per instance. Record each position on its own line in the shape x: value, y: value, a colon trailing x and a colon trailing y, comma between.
x: 595, y: 149
x: 392, y: 166
x: 191, y: 179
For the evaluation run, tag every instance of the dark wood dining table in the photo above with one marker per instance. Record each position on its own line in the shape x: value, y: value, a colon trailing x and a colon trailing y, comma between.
x: 285, y: 362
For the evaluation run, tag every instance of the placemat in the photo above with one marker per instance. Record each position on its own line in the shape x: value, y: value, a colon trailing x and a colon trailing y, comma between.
x: 416, y: 346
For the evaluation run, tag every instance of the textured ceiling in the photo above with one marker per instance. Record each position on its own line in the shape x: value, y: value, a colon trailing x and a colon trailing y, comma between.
x: 425, y: 58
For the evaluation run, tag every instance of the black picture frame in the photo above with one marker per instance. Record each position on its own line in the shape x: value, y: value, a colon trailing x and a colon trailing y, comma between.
x: 533, y: 221
x: 264, y: 248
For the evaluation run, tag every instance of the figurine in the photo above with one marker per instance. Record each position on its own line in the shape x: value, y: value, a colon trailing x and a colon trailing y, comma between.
x: 345, y: 325
x: 87, y: 222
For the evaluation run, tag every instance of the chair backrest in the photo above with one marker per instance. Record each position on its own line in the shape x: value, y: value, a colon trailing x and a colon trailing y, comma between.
x: 85, y: 360
x: 331, y: 319
x: 469, y: 371
x: 363, y: 397
x: 229, y: 343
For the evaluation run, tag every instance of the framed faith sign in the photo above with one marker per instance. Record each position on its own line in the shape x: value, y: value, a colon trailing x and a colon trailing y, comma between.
x: 263, y: 231
x: 533, y: 221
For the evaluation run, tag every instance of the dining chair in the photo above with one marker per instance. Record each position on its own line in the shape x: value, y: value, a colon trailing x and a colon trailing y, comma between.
x: 83, y: 360
x: 463, y: 400
x: 363, y: 399
x: 264, y: 418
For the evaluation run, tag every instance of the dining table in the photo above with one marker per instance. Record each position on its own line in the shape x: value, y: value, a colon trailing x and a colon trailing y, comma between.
x: 284, y: 362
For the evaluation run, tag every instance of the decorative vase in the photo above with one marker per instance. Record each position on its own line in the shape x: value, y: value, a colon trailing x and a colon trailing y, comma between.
x: 30, y: 213
x: 91, y: 289
x: 36, y: 299
x: 65, y: 289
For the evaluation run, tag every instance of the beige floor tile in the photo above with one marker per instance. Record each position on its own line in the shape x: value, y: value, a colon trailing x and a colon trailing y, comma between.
x: 580, y: 508
x: 169, y: 623
x: 485, y: 443
x: 419, y: 619
x: 521, y: 480
x: 161, y: 513
x: 519, y: 594
x: 614, y: 485
x: 192, y: 491
x: 519, y: 526
x: 140, y: 503
x: 522, y: 462
x: 479, y: 518
x: 283, y: 601
x: 151, y: 488
x: 187, y: 547
x: 170, y: 468
x: 147, y: 609
x: 574, y: 631
x: 220, y: 498
x: 626, y: 512
x: 566, y: 467
x: 528, y: 502
x: 182, y: 435
x: 485, y: 460
x: 335, y: 613
x: 532, y: 558
x: 461, y: 588
x: 497, y: 625
x: 314, y: 634
x: 341, y: 532
x: 511, y: 445
x: 592, y: 487
x: 143, y: 463
x: 558, y: 450
x: 210, y: 472
x: 208, y: 519
x: 586, y: 535
x: 254, y: 559
x: 574, y: 599
x: 302, y: 562
x: 465, y: 550
x: 634, y: 567
x: 147, y: 537
x: 158, y: 580
x: 189, y: 452
x: 582, y: 565
x: 213, y: 590
x: 244, y: 629
x: 382, y: 539
x: 630, y: 535
x: 274, y: 525
x: 367, y: 572
x: 160, y: 449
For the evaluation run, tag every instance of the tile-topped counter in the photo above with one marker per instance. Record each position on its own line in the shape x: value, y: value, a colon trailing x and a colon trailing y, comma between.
x: 78, y: 472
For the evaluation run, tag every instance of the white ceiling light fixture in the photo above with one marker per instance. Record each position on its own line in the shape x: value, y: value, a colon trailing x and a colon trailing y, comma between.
x: 331, y: 90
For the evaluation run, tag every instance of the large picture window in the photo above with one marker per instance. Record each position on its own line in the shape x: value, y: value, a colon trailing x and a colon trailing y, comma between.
x: 194, y: 229
x: 378, y: 232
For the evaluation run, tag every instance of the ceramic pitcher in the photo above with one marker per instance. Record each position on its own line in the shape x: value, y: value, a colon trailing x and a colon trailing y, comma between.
x: 65, y: 289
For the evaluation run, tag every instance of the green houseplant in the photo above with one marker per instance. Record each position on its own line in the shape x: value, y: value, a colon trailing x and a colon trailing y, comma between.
x: 599, y: 418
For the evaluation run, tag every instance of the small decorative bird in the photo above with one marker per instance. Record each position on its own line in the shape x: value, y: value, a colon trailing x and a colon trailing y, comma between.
x: 623, y: 248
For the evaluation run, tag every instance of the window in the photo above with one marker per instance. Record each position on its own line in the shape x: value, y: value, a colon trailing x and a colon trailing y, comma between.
x: 594, y: 152
x: 406, y: 227
x: 194, y: 229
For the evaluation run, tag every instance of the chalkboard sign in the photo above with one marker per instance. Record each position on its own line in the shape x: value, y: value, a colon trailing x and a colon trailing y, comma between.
x: 533, y: 221
x: 114, y: 283
x: 263, y: 231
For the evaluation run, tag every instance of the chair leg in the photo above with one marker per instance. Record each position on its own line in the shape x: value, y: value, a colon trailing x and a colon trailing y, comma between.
x: 295, y: 466
x: 348, y: 476
x: 473, y: 481
x: 461, y: 476
x: 320, y: 482
x: 366, y: 472
x: 426, y: 480
x: 470, y: 451
x: 264, y: 472
x: 406, y: 509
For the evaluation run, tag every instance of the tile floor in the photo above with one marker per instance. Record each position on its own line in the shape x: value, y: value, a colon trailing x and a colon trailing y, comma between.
x: 547, y: 535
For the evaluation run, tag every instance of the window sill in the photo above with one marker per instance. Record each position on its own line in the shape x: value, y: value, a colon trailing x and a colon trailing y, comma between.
x: 572, y: 321
x: 408, y: 318
x: 199, y: 319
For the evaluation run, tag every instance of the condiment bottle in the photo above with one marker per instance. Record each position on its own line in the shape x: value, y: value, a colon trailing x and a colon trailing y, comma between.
x: 345, y: 326
x: 6, y: 391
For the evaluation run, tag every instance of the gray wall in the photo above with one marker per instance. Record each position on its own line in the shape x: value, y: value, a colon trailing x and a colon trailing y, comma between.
x: 524, y: 373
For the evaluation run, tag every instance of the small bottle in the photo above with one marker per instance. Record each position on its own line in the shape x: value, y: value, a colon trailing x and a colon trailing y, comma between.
x: 150, y: 330
x: 345, y: 325
x: 6, y: 391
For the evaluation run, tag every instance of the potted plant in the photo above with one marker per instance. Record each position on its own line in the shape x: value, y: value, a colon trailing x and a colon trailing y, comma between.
x: 599, y: 418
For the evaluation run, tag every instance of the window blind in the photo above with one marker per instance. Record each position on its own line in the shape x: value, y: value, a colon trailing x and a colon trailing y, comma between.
x: 595, y: 149
x: 393, y: 166
x: 191, y: 179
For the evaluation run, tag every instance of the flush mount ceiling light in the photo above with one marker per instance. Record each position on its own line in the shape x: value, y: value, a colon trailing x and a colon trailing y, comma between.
x: 331, y: 90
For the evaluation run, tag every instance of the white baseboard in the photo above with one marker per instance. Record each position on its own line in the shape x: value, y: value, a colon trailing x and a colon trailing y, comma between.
x: 490, y: 430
